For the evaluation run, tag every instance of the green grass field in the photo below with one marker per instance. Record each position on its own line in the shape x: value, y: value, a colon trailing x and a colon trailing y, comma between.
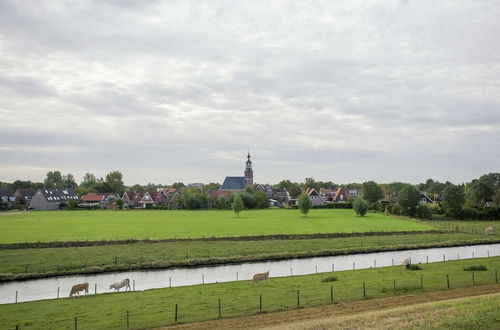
x: 469, y: 226
x: 113, y: 225
x: 200, y: 302
x: 43, y: 260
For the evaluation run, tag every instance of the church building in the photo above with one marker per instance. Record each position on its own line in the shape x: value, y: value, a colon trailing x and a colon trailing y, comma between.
x: 238, y: 183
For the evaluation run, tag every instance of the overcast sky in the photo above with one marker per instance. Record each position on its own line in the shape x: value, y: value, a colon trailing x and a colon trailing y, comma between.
x: 166, y: 91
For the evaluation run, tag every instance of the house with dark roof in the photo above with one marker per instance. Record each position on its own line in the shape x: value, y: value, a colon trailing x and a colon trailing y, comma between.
x: 47, y: 199
x: 235, y: 184
x: 425, y: 199
x: 340, y: 195
x: 314, y: 197
x: 7, y: 198
x: 24, y: 196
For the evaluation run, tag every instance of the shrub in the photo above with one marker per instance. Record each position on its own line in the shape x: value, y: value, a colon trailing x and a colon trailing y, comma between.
x: 474, y: 268
x: 329, y: 279
x: 414, y: 267
x: 423, y: 212
x: 360, y: 206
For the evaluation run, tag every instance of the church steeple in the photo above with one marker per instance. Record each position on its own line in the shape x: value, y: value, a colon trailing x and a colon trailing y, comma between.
x: 248, y: 171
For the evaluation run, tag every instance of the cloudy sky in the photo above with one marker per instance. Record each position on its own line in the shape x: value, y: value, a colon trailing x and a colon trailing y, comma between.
x: 169, y: 91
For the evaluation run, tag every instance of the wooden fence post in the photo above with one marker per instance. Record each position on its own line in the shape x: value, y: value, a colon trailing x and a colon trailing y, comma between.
x: 58, y: 292
x: 333, y: 267
x: 202, y: 278
x: 298, y: 299
x: 472, y: 254
x: 291, y: 274
x: 16, y: 296
x: 219, y: 309
x: 448, y: 280
x: 260, y: 303
x: 473, y: 281
x: 353, y: 265
x: 394, y: 286
x: 331, y: 293
x: 364, y: 290
x: 316, y: 269
x: 393, y: 261
x: 444, y: 257
x: 133, y: 285
x: 374, y: 263
x: 128, y: 323
x: 236, y: 276
x: 175, y: 313
x: 76, y: 323
x: 496, y: 276
x: 427, y: 259
x: 422, y: 282
x: 95, y: 289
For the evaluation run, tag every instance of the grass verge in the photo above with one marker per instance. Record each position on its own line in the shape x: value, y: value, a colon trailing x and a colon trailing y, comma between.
x: 201, y: 302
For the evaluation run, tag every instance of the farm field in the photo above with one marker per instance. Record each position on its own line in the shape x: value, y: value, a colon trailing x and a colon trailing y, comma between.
x: 200, y: 302
x: 113, y: 225
x: 43, y: 260
x: 469, y: 226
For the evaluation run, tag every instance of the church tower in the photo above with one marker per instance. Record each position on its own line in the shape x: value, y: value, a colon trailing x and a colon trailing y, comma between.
x: 248, y: 172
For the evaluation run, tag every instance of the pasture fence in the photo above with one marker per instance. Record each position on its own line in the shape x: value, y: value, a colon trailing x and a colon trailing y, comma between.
x: 411, y: 282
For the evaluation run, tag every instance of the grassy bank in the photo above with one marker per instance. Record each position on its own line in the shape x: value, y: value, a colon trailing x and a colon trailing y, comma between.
x: 466, y: 226
x: 195, y: 303
x: 114, y: 225
x: 29, y: 263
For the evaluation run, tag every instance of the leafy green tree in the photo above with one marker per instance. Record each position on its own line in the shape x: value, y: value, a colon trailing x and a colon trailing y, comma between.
x: 137, y: 188
x: 409, y: 198
x: 261, y: 200
x: 311, y: 183
x: 114, y: 181
x: 120, y: 203
x: 237, y: 205
x: 248, y: 200
x: 453, y: 200
x: 54, y: 179
x: 69, y: 181
x: 222, y: 203
x: 360, y: 206
x: 305, y: 204
x: 372, y: 192
x: 178, y: 185
x: 292, y: 187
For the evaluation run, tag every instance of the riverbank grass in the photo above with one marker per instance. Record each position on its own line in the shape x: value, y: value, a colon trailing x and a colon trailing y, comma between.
x: 46, y: 226
x: 201, y: 302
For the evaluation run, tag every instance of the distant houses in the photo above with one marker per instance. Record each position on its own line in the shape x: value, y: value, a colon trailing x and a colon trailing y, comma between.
x: 234, y: 184
x: 49, y: 199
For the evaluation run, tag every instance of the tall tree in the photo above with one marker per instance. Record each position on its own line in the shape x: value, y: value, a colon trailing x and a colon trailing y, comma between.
x: 408, y: 198
x: 305, y: 204
x: 54, y: 179
x: 311, y: 183
x: 114, y: 181
x: 371, y: 192
x: 360, y: 206
x: 453, y: 200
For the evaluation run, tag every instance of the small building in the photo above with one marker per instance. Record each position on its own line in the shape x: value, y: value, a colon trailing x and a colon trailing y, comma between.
x: 24, y: 196
x: 48, y: 199
x: 105, y: 200
x: 425, y: 199
x: 7, y: 198
x: 314, y: 197
x: 340, y: 195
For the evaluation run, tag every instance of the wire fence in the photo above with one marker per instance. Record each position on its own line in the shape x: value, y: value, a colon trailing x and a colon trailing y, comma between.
x: 209, y: 307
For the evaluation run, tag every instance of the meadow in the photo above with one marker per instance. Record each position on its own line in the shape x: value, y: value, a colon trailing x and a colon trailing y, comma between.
x: 40, y: 226
x: 33, y: 261
x: 201, y: 302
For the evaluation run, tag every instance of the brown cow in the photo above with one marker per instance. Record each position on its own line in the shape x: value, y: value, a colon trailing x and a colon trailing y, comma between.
x: 488, y: 231
x: 79, y: 287
x: 260, y: 277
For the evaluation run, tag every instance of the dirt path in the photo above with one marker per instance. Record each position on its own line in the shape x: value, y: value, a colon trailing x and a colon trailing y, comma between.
x: 318, y: 316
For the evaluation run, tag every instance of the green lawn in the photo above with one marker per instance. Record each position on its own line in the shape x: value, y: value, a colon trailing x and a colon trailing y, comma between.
x: 467, y: 226
x: 200, y: 302
x: 42, y: 260
x: 111, y: 225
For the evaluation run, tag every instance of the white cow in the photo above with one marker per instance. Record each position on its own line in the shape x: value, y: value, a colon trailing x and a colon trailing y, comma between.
x: 118, y: 285
x: 406, y: 262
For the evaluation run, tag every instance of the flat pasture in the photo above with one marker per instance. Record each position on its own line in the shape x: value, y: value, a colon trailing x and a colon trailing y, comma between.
x: 40, y: 226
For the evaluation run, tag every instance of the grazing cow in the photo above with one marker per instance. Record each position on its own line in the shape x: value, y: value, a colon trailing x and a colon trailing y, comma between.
x: 79, y: 287
x: 488, y: 231
x: 406, y: 262
x: 260, y: 277
x: 118, y: 285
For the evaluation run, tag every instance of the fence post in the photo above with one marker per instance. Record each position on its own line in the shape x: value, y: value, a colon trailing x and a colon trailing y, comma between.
x: 17, y: 326
x: 95, y: 289
x: 448, y: 280
x: 473, y: 281
x: 333, y: 267
x: 458, y: 255
x: 393, y: 261
x: 374, y: 263
x: 444, y: 257
x: 76, y: 323
x: 353, y: 265
x: 175, y: 313
x: 364, y: 290
x: 291, y: 274
x: 219, y: 309
x: 133, y: 285
x: 58, y: 292
x: 472, y: 254
x: 427, y: 259
x: 236, y: 276
x: 394, y: 286
x: 128, y: 324
x: 496, y: 276
x: 202, y: 278
x: 170, y: 282
x: 331, y: 293
x: 316, y: 267
x: 422, y: 282
x: 260, y: 303
x: 488, y: 253
x: 16, y: 296
x: 298, y: 299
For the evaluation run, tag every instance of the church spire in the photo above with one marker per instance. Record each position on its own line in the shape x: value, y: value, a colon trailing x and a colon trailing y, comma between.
x: 248, y: 171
